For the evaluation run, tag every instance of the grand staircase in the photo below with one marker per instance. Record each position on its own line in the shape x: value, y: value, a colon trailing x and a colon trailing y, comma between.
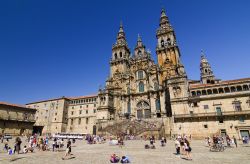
x: 133, y: 127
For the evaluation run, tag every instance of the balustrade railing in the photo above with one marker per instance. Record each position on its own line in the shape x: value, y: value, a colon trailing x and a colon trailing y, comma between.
x: 209, y: 114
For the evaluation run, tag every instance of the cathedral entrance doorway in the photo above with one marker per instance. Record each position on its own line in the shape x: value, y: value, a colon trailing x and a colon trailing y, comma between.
x: 143, y: 110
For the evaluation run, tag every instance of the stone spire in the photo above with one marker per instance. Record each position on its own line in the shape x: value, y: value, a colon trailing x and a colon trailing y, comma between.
x: 120, y: 49
x: 139, y: 41
x: 140, y: 48
x: 207, y: 76
x: 164, y: 22
x: 121, y: 37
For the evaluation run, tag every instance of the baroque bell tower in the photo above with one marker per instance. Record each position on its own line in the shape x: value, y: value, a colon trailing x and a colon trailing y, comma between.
x: 207, y: 76
x: 172, y: 75
x: 120, y: 54
x: 167, y: 50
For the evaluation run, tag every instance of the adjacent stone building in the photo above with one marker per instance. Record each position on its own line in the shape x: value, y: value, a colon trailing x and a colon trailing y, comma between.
x: 144, y: 97
x: 16, y: 119
x: 69, y: 115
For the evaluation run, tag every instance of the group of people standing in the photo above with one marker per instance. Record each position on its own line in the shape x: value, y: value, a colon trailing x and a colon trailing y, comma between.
x: 217, y: 139
x: 183, y: 147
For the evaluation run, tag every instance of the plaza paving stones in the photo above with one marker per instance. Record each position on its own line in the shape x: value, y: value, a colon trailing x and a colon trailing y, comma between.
x: 100, y: 154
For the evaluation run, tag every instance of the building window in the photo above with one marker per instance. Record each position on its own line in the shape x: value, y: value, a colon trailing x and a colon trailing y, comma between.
x: 140, y: 74
x: 195, y: 104
x: 129, y: 107
x: 87, y: 106
x: 139, y: 53
x: 79, y: 121
x: 128, y: 90
x: 141, y: 87
x: 87, y: 111
x: 94, y: 110
x: 80, y: 112
x: 221, y: 120
x: 87, y: 120
x: 162, y: 43
x: 72, y: 121
x: 56, y: 114
x: 242, y: 119
x: 72, y: 107
x: 80, y: 106
x: 157, y: 104
x: 218, y: 111
x: 237, y: 106
x: 206, y: 107
x: 55, y: 119
x: 94, y: 105
x: 72, y: 113
x: 205, y: 126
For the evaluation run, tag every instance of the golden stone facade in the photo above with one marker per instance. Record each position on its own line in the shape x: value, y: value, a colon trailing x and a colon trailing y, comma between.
x: 16, y: 119
x: 143, y: 97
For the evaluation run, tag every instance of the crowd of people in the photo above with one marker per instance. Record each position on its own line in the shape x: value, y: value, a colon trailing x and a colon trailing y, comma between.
x: 45, y: 143
x: 223, y: 140
x: 94, y: 139
x: 36, y: 142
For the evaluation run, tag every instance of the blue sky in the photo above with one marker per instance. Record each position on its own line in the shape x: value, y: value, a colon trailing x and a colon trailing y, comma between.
x: 52, y: 48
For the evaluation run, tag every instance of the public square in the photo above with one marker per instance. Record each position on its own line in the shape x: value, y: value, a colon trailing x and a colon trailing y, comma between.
x: 134, y: 149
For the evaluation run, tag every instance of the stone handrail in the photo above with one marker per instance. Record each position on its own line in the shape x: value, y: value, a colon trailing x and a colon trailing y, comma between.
x: 208, y: 114
x: 14, y: 118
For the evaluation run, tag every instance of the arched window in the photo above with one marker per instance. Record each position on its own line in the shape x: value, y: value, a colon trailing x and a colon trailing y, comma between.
x: 209, y: 91
x: 157, y: 104
x: 221, y: 90
x: 227, y: 90
x: 204, y: 92
x: 162, y: 43
x: 239, y: 88
x: 193, y: 93
x: 245, y: 88
x: 169, y: 41
x: 115, y: 55
x: 198, y: 93
x: 120, y: 54
x: 140, y: 74
x: 139, y: 53
x: 129, y: 107
x: 215, y: 91
x: 141, y: 87
x: 208, y: 81
x: 205, y: 70
x: 233, y: 89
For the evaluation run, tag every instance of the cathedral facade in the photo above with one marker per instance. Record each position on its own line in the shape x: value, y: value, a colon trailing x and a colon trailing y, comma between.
x: 161, y: 94
x: 144, y: 97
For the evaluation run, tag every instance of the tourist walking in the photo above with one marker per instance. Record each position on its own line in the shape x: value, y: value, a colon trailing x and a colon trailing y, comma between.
x: 68, y: 150
x: 187, y: 149
x: 177, y: 146
x: 235, y: 141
